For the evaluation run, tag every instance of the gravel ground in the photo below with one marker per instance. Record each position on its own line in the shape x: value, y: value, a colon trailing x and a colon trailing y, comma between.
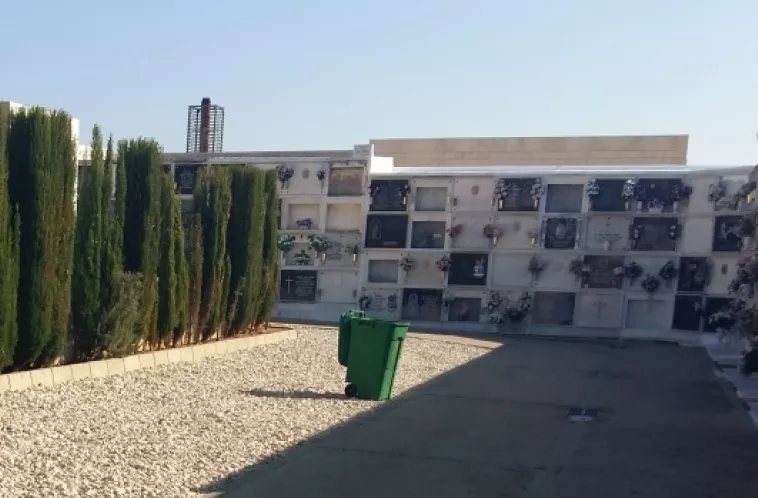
x: 167, y: 431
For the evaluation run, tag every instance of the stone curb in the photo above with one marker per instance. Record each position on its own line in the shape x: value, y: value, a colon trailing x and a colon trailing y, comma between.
x: 18, y: 381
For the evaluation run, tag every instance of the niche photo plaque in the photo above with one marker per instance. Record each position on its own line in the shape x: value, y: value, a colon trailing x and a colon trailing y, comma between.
x: 688, y: 312
x: 428, y: 235
x: 386, y: 231
x: 389, y: 195
x: 609, y: 198
x: 465, y: 309
x: 519, y: 195
x: 422, y: 305
x: 468, y: 269
x: 693, y: 274
x: 185, y: 177
x: 726, y: 238
x: 655, y: 234
x: 601, y: 274
x: 560, y: 233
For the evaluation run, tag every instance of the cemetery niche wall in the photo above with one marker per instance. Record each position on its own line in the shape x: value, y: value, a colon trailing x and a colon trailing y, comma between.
x: 568, y: 254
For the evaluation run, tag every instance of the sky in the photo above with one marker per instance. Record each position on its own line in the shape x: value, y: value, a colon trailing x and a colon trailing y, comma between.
x: 323, y: 74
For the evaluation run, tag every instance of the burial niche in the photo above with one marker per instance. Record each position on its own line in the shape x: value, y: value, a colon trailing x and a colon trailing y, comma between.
x: 553, y: 308
x: 345, y: 182
x: 564, y: 198
x: 298, y: 285
x: 609, y: 196
x: 726, y: 237
x: 468, y: 269
x: 185, y: 177
x: 428, y: 235
x: 560, y: 233
x: 518, y: 195
x: 688, y: 313
x: 693, y: 274
x: 657, y: 189
x: 603, y: 273
x: 464, y: 309
x: 389, y: 195
x: 422, y: 304
x: 431, y: 199
x: 655, y: 234
x: 381, y: 271
x: 388, y: 231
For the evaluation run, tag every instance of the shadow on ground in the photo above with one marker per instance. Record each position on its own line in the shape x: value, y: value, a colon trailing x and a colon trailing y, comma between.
x: 263, y: 393
x: 499, y: 427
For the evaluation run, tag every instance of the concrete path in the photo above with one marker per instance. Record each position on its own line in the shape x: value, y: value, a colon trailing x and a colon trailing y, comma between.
x: 499, y: 427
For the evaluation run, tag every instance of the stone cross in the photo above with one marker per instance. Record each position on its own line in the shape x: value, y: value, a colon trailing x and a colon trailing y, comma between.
x: 289, y: 283
x: 600, y: 306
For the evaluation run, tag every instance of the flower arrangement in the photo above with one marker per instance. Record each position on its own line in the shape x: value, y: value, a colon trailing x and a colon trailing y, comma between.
x: 500, y: 193
x: 496, y: 317
x: 364, y: 302
x: 491, y: 232
x: 406, y: 263
x: 746, y: 189
x: 668, y: 272
x: 304, y: 224
x: 373, y: 189
x: 746, y: 277
x: 284, y: 173
x: 321, y: 175
x: 405, y: 192
x: 354, y: 252
x: 747, y: 225
x: 538, y: 190
x: 536, y: 266
x: 447, y: 300
x: 319, y: 244
x: 722, y: 320
x: 285, y: 243
x: 593, y: 190
x: 655, y: 205
x: 618, y: 274
x: 632, y: 271
x: 519, y: 310
x: 534, y: 235
x: 302, y: 258
x: 443, y: 264
x: 716, y: 191
x: 494, y: 302
x: 635, y: 233
x: 628, y: 191
x: 675, y: 230
x: 576, y: 267
x: 454, y: 231
x: 679, y: 192
x: 650, y: 283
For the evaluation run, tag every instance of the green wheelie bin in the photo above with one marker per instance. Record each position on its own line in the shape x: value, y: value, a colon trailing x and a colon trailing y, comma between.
x: 374, y: 352
x: 343, y: 344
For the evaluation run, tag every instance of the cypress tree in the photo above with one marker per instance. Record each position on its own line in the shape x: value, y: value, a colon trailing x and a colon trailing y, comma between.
x: 42, y: 161
x: 239, y: 247
x: 213, y: 202
x: 195, y: 257
x: 167, y: 276
x: 270, y: 251
x: 86, y: 298
x: 118, y: 218
x: 182, y: 274
x: 143, y: 168
x: 9, y: 232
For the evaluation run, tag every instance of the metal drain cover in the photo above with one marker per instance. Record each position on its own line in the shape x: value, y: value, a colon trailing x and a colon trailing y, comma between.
x: 579, y: 414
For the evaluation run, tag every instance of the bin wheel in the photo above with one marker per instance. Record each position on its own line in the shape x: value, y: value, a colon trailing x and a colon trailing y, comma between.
x: 351, y: 390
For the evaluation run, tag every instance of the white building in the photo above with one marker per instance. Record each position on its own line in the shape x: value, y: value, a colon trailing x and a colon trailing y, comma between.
x: 506, y: 232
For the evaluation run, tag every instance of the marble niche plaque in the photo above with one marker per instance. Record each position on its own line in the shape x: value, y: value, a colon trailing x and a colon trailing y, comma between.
x: 609, y: 198
x: 598, y: 311
x: 387, y: 231
x: 560, y: 233
x: 693, y: 274
x: 422, y: 304
x: 340, y: 252
x: 687, y: 313
x: 383, y: 301
x: 564, y: 198
x: 647, y: 314
x: 345, y: 182
x: 654, y: 235
x: 553, y: 308
x: 713, y: 305
x: 519, y: 196
x: 298, y: 285
x: 382, y: 271
x: 658, y: 188
x: 468, y: 269
x: 431, y: 199
x: 185, y: 177
x: 725, y: 235
x: 601, y: 271
x: 428, y: 235
x: 388, y: 195
x: 465, y: 309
